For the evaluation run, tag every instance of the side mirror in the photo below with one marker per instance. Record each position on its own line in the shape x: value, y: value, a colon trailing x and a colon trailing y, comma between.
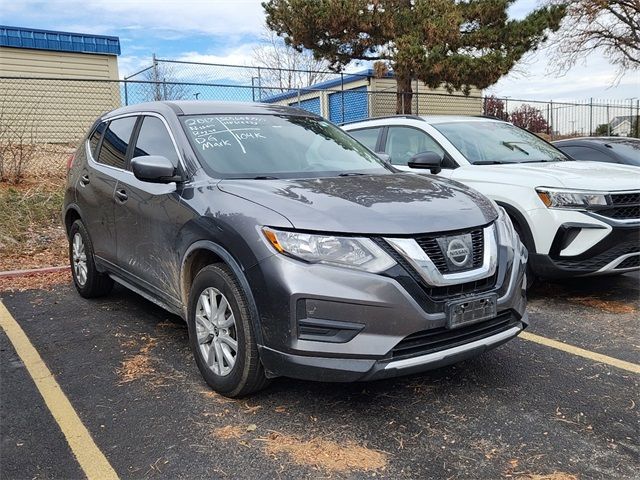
x: 430, y: 160
x: 385, y: 157
x: 154, y: 169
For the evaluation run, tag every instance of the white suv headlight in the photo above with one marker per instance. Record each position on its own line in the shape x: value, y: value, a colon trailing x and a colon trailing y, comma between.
x: 349, y: 252
x: 571, y: 199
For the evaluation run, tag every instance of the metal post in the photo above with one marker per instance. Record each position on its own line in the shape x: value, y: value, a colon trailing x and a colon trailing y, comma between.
x: 637, y: 118
x: 548, y: 120
x: 155, y: 78
x: 126, y: 91
x: 417, y: 97
x: 591, y: 116
x: 342, y: 93
x: 608, y: 122
x: 259, y: 85
x: 551, y: 120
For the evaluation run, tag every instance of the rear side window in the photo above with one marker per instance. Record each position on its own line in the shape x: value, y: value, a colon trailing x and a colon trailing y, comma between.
x: 116, y: 141
x: 94, y: 139
x: 587, y: 153
x: 367, y: 136
x: 154, y: 139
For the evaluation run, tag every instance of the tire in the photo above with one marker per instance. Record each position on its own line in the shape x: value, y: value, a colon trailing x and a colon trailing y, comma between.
x: 88, y: 281
x: 531, y: 277
x: 211, y: 336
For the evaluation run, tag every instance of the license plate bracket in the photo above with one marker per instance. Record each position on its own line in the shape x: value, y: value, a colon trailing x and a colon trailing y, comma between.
x: 467, y: 311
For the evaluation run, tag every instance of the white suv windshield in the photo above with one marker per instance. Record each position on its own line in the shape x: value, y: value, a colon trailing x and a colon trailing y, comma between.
x: 276, y: 146
x: 484, y: 143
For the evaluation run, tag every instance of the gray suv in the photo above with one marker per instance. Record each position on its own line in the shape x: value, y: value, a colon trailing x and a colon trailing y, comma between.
x: 288, y: 247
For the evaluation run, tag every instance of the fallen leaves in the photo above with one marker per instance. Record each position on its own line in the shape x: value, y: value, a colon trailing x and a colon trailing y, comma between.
x: 326, y: 454
x: 610, y: 306
x: 40, y: 281
x: 229, y: 432
x: 138, y: 366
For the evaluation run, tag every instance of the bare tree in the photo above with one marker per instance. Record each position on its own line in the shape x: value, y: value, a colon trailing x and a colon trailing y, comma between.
x: 283, y: 68
x: 609, y: 26
x: 166, y: 85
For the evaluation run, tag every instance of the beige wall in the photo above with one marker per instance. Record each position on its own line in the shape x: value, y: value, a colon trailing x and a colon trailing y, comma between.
x: 428, y: 101
x: 54, y: 111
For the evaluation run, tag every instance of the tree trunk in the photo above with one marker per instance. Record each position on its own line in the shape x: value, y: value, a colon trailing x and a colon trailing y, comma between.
x: 404, y: 95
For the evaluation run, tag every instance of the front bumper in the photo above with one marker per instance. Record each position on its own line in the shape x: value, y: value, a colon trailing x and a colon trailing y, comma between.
x: 583, y: 244
x: 329, y: 324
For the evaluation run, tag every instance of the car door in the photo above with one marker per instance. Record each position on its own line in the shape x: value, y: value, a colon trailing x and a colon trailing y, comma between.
x: 148, y: 217
x: 403, y: 142
x: 106, y: 161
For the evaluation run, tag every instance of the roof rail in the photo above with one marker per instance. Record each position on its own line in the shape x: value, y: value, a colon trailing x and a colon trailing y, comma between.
x: 492, y: 117
x: 411, y: 117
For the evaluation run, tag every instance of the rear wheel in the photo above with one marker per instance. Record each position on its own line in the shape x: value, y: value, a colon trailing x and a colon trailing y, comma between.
x: 88, y: 281
x: 221, y: 333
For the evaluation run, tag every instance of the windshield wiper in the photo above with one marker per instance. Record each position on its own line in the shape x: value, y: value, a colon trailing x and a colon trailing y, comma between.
x: 514, y: 146
x: 259, y: 177
x: 351, y: 174
x: 489, y: 162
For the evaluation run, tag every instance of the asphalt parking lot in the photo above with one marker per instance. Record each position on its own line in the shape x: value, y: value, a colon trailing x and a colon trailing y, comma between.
x: 524, y: 410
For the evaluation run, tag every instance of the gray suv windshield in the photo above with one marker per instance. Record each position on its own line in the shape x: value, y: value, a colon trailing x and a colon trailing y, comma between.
x: 497, y: 142
x: 276, y: 146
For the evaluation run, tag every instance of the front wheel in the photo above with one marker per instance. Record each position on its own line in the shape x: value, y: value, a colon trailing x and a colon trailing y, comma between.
x: 221, y: 333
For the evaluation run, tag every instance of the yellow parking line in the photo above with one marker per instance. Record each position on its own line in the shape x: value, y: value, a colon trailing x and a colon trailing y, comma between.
x: 581, y: 352
x: 91, y: 459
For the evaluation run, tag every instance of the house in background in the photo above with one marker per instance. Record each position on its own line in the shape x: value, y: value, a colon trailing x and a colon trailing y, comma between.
x: 621, y: 126
x: 361, y: 95
x: 48, y: 110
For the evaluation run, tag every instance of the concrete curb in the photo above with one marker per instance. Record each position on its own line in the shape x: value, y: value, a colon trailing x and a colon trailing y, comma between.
x: 34, y: 271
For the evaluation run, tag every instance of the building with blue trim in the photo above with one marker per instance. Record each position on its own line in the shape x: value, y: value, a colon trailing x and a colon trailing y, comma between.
x: 361, y: 95
x: 56, y: 83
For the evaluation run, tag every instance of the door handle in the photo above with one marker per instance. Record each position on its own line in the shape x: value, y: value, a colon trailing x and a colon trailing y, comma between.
x: 84, y: 179
x: 122, y: 195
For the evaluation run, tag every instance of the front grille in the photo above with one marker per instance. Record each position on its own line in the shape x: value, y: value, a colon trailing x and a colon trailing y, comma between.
x: 625, y: 198
x: 598, y: 261
x: 437, y: 339
x: 479, y: 286
x: 630, y: 262
x: 429, y: 244
x: 625, y: 206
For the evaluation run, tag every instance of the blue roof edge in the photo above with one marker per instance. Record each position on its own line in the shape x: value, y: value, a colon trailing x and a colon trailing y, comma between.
x: 348, y: 78
x: 39, y: 39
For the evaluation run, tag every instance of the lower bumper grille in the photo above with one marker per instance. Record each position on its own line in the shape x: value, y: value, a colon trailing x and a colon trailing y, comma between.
x: 430, y: 341
x: 598, y: 261
x: 630, y: 262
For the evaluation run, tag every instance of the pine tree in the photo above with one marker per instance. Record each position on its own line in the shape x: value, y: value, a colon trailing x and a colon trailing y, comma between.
x: 457, y: 44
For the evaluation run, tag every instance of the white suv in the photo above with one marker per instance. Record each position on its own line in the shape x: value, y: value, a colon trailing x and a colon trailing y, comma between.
x: 575, y: 218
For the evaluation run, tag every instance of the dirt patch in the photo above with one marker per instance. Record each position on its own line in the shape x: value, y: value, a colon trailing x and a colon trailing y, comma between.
x: 610, y: 306
x: 325, y: 454
x: 140, y: 365
x: 230, y: 432
x: 40, y: 281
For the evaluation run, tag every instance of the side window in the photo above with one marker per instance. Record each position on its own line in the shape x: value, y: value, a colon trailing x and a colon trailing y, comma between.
x: 587, y: 153
x: 116, y: 141
x: 404, y: 142
x: 94, y: 139
x: 367, y: 136
x: 154, y: 139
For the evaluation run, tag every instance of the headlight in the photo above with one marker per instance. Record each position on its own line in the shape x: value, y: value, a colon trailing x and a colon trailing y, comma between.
x: 506, y: 233
x: 349, y: 252
x: 571, y: 199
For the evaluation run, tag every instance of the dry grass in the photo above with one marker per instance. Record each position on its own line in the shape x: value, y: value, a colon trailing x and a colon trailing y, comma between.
x: 140, y: 365
x: 230, y: 432
x: 549, y: 476
x: 32, y: 235
x: 325, y: 454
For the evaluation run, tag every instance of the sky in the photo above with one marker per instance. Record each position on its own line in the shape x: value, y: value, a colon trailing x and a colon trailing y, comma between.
x: 226, y: 31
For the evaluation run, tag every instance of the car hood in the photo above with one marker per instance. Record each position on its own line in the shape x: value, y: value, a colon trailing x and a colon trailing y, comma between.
x: 579, y: 175
x: 395, y: 204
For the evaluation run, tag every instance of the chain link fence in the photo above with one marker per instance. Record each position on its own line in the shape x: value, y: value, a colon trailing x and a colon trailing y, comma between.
x: 55, y: 110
